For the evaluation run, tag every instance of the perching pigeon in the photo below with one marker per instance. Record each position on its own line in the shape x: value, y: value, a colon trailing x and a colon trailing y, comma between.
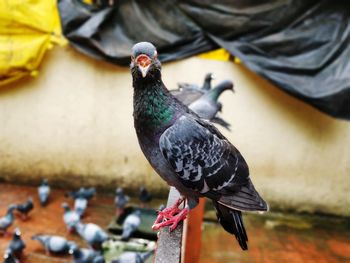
x: 188, y: 93
x: 120, y: 201
x: 187, y: 152
x: 86, y: 193
x: 7, y: 220
x: 70, y: 217
x: 144, y: 196
x: 44, y: 192
x: 17, y: 244
x: 85, y: 255
x: 131, y: 224
x: 25, y: 208
x: 207, y: 106
x: 54, y: 244
x: 92, y: 234
x: 9, y: 257
x: 133, y: 257
x: 80, y: 205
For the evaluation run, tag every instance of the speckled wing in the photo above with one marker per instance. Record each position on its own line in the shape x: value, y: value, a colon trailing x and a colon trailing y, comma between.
x: 207, y: 163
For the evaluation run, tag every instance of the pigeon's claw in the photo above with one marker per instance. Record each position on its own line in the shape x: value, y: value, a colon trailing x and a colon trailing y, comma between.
x: 172, y: 221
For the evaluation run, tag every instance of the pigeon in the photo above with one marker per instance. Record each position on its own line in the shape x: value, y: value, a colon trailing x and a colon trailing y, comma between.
x: 54, y: 244
x: 44, y: 192
x: 85, y: 255
x: 25, y: 208
x: 207, y: 106
x: 188, y: 152
x: 80, y: 205
x: 70, y: 217
x: 17, y: 244
x: 9, y: 257
x: 131, y: 224
x: 7, y: 220
x: 86, y: 193
x: 144, y: 196
x: 120, y: 201
x: 133, y: 257
x: 188, y: 93
x: 92, y: 234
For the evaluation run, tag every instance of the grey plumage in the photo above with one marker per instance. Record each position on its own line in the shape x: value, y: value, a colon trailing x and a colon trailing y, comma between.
x: 7, y: 220
x: 44, y: 192
x: 9, y: 257
x: 190, y: 153
x: 133, y: 257
x: 86, y: 193
x: 70, y: 217
x: 120, y: 199
x: 80, y: 205
x: 54, y: 244
x: 17, y: 244
x: 92, y: 234
x: 131, y: 224
x: 25, y: 207
x: 145, y: 196
x: 85, y: 255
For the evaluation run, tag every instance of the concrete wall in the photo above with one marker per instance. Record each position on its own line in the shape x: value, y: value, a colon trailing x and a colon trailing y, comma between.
x: 73, y: 124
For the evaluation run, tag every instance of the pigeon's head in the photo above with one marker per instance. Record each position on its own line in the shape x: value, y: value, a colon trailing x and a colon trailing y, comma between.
x: 65, y: 206
x: 119, y: 191
x: 209, y: 77
x: 144, y: 61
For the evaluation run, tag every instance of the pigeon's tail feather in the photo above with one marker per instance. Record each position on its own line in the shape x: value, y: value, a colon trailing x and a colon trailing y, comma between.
x: 221, y: 122
x: 231, y: 220
x: 127, y: 231
x: 245, y: 199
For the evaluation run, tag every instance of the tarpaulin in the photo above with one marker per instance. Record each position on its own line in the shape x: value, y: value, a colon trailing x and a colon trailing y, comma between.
x: 27, y: 30
x: 302, y: 46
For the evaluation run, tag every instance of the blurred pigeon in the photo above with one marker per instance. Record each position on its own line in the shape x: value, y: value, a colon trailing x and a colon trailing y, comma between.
x: 9, y: 257
x: 80, y: 205
x: 131, y: 224
x: 207, y: 106
x: 86, y: 193
x: 70, y: 217
x: 120, y: 201
x: 7, y: 220
x: 54, y: 244
x: 188, y: 152
x: 188, y: 93
x: 44, y: 192
x: 144, y: 196
x: 92, y: 234
x: 17, y: 244
x: 85, y: 255
x: 133, y: 257
x: 25, y: 208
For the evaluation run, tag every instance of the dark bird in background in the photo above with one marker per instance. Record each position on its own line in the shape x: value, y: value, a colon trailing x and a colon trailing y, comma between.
x: 86, y: 193
x: 80, y: 205
x: 92, y: 234
x: 17, y: 245
x: 144, y: 196
x: 207, y: 106
x: 133, y: 257
x: 85, y: 255
x: 70, y: 217
x: 131, y: 224
x: 188, y: 93
x: 187, y: 152
x: 25, y: 208
x: 54, y: 244
x: 9, y: 257
x: 7, y: 220
x: 120, y: 201
x: 44, y: 192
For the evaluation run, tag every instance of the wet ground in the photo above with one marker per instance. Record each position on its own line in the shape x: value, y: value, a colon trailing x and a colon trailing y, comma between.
x: 273, y: 237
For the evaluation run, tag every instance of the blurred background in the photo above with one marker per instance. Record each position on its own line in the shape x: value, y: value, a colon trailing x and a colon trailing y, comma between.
x: 66, y: 113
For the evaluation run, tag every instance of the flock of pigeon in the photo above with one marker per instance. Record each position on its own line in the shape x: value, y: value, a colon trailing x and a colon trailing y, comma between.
x: 91, y: 233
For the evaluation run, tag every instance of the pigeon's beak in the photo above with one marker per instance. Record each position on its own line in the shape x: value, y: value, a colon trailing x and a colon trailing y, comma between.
x: 144, y: 63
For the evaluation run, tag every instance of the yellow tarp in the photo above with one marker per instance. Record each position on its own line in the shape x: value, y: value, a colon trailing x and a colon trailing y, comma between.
x: 219, y: 54
x: 27, y: 29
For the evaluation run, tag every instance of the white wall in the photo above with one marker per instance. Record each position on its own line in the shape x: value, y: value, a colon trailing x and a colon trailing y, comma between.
x: 73, y: 124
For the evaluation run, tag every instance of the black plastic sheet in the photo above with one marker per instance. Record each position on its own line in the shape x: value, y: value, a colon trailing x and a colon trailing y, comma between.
x: 302, y: 46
